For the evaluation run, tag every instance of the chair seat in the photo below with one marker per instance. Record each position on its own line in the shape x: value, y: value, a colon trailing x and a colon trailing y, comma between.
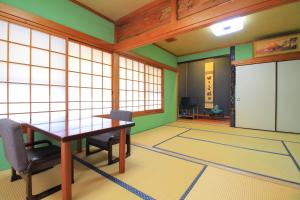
x: 50, y: 152
x: 106, y: 136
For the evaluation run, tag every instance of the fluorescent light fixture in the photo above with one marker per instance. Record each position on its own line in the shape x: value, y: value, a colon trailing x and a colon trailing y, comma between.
x: 228, y: 26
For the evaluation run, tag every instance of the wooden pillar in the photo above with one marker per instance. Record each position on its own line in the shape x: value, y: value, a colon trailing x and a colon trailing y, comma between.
x: 115, y: 81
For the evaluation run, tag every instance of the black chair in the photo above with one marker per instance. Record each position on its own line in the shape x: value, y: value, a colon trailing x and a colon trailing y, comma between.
x: 28, y: 159
x: 107, y: 140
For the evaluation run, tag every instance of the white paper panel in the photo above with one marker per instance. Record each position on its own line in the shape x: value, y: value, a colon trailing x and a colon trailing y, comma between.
x: 73, y: 94
x: 58, y: 94
x: 86, y: 105
x: 107, y: 58
x: 3, y: 51
x: 97, y: 104
x: 58, y: 106
x: 40, y: 39
x: 74, y: 114
x: 3, y: 71
x: 86, y: 80
x: 97, y: 68
x: 19, y: 34
x: 39, y: 93
x: 86, y: 66
x: 129, y: 74
x: 19, y: 93
x: 106, y: 111
x: 97, y: 82
x: 135, y: 66
x: 129, y: 85
x: 3, y: 108
x: 74, y: 79
x: 58, y: 61
x: 3, y: 92
x: 86, y: 52
x: 58, y: 77
x: 122, y: 72
x: 135, y: 85
x: 97, y: 95
x: 58, y: 116
x: 74, y: 105
x: 58, y: 44
x: 122, y: 62
x: 40, y: 57
x: 129, y: 95
x: 86, y: 113
x: 3, y: 30
x: 39, y: 107
x: 37, y: 118
x: 107, y: 83
x: 122, y: 95
x: 73, y: 49
x: 19, y: 73
x: 19, y: 53
x: 20, y: 117
x: 95, y: 112
x: 122, y: 84
x: 107, y: 70
x: 73, y: 64
x: 19, y: 108
x: 86, y: 94
x: 107, y: 95
x: 141, y: 95
x: 97, y: 55
x: 39, y: 75
x: 106, y: 104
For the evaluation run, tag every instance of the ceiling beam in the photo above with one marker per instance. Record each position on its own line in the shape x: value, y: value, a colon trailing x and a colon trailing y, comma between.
x: 163, y: 19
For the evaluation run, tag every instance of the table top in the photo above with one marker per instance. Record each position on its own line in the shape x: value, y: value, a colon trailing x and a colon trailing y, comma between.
x: 78, y: 128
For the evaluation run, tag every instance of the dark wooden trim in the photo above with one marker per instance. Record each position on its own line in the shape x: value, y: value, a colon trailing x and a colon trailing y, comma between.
x: 66, y: 168
x: 92, y: 10
x: 265, y: 59
x: 122, y: 155
x: 16, y: 15
x: 165, y: 49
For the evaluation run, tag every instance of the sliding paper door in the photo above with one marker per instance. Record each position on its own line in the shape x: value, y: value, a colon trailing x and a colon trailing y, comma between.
x: 255, y: 96
x: 288, y: 93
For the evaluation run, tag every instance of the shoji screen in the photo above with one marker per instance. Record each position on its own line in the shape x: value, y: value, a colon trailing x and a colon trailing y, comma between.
x: 255, y: 96
x: 90, y: 81
x: 140, y: 86
x: 32, y: 74
x: 153, y: 83
x: 288, y: 96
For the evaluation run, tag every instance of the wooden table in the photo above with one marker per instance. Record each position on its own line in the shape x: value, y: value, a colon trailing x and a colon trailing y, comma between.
x: 67, y: 131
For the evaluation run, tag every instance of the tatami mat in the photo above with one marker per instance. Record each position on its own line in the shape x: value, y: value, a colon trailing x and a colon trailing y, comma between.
x: 217, y: 184
x: 274, y: 165
x: 239, y: 131
x: 237, y: 141
x: 294, y: 149
x: 159, y: 176
x: 156, y: 135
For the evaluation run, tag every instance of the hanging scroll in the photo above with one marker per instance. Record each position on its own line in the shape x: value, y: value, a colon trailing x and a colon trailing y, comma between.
x: 209, y: 85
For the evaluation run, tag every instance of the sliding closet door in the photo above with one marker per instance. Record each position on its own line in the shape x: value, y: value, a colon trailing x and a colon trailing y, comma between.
x: 288, y: 96
x: 255, y: 96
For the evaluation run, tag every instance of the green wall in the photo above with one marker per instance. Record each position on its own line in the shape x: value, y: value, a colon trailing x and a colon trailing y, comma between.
x: 69, y: 14
x: 243, y: 51
x: 170, y: 90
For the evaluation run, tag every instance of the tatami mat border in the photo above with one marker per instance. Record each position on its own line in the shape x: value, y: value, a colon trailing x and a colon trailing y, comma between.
x: 291, y: 155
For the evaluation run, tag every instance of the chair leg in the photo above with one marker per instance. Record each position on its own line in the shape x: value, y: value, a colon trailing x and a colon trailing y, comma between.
x: 14, y: 175
x: 28, y: 179
x: 87, y: 148
x: 110, y: 156
x: 128, y: 142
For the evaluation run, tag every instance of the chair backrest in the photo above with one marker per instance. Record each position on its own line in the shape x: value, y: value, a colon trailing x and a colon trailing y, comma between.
x: 14, y: 147
x: 122, y: 115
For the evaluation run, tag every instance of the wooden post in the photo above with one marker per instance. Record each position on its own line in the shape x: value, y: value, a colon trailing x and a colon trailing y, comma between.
x: 122, y: 150
x: 66, y: 179
x: 30, y: 135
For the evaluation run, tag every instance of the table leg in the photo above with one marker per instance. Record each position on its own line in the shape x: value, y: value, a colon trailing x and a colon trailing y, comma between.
x: 122, y: 150
x: 66, y: 180
x: 79, y: 146
x: 30, y: 135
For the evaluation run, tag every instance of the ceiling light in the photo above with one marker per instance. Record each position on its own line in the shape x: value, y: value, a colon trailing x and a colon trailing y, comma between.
x: 228, y: 26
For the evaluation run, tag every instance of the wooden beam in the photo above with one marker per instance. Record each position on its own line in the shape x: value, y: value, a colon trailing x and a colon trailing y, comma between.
x: 115, y: 81
x: 265, y: 59
x: 198, y: 18
x: 93, y: 11
x: 17, y: 15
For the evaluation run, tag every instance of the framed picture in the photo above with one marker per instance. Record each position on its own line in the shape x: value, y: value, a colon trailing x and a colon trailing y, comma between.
x: 279, y: 45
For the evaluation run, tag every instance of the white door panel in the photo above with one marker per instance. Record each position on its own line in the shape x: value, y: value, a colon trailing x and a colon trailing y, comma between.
x: 255, y: 96
x: 288, y: 96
